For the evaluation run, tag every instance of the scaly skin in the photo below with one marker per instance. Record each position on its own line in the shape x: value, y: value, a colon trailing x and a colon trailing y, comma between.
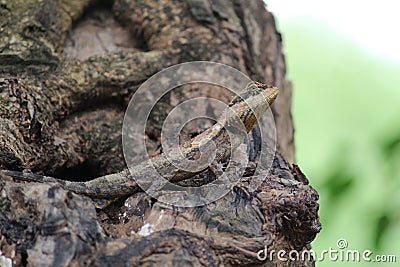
x: 242, y: 114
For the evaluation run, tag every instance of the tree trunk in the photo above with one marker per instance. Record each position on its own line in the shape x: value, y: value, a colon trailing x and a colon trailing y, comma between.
x: 68, y: 70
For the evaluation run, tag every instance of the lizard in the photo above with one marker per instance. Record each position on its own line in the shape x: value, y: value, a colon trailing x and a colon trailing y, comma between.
x: 246, y: 107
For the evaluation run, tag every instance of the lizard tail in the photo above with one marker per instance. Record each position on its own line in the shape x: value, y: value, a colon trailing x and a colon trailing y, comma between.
x: 103, y: 187
x: 31, y: 177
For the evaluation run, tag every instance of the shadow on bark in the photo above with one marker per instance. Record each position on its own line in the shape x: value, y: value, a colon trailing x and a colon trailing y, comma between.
x: 68, y: 70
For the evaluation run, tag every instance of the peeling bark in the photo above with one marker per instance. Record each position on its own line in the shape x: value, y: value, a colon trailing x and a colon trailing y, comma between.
x: 68, y: 70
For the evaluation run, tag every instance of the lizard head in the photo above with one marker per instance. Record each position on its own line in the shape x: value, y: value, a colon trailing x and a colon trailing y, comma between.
x: 253, y: 102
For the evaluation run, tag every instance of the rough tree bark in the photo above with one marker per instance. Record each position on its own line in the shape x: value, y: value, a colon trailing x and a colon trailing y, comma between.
x: 68, y: 70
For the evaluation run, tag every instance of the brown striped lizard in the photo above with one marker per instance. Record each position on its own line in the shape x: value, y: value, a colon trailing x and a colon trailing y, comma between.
x: 245, y: 109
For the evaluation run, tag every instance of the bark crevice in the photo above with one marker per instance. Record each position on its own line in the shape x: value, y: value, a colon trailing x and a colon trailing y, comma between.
x: 67, y: 72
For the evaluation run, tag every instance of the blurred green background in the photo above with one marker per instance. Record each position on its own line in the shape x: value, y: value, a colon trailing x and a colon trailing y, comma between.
x: 346, y: 109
